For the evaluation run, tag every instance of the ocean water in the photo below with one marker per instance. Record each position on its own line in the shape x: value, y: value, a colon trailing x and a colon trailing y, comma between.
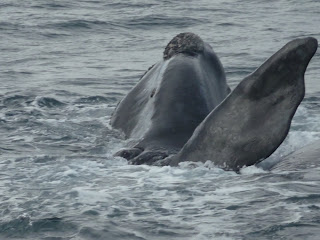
x: 64, y: 65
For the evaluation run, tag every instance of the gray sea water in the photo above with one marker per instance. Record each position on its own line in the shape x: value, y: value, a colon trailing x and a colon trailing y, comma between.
x: 64, y: 65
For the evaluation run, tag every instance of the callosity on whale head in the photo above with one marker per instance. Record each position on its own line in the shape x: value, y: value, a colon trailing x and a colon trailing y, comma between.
x: 161, y: 112
x: 251, y: 123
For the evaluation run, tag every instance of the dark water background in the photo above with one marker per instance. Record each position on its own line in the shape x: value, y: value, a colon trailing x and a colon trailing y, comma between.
x: 64, y: 65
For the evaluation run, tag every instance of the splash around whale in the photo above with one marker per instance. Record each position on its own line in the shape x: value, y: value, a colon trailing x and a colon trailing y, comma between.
x: 182, y: 108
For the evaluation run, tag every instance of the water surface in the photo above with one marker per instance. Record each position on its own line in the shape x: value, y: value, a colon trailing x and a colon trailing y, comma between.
x: 64, y: 65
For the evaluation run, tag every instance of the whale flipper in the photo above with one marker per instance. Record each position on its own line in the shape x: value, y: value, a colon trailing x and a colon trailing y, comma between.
x: 148, y: 157
x: 128, y: 153
x: 250, y: 124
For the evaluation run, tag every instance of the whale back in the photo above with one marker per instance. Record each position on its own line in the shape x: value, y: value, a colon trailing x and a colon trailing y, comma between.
x: 307, y: 157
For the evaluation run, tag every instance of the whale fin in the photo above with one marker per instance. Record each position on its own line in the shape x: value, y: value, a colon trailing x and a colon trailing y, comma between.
x: 251, y: 123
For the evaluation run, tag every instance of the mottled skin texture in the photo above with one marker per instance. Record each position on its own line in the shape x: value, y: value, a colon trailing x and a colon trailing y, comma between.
x: 187, y: 43
x: 161, y: 112
x: 184, y: 91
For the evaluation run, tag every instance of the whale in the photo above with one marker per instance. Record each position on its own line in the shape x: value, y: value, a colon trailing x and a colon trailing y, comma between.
x: 183, y: 110
x: 305, y: 158
x: 172, y: 98
x: 252, y: 122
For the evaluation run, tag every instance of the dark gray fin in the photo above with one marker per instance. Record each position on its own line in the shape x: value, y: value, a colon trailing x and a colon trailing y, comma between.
x: 187, y: 43
x: 128, y: 153
x: 148, y: 157
x: 251, y: 123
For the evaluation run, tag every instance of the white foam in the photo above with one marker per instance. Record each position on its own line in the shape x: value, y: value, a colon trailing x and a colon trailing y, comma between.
x: 91, y: 195
x: 251, y: 170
